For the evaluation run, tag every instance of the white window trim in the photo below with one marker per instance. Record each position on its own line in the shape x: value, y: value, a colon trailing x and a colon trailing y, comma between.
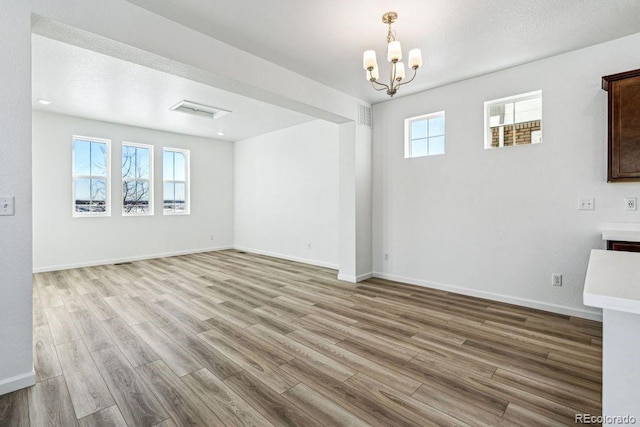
x: 107, y: 203
x: 407, y: 134
x: 151, y: 184
x: 187, y: 190
x: 514, y: 98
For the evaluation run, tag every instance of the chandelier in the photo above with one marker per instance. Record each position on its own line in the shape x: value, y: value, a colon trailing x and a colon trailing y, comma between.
x: 394, y: 55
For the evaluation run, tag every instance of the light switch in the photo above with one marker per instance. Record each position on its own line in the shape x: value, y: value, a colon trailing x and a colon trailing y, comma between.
x: 7, y: 205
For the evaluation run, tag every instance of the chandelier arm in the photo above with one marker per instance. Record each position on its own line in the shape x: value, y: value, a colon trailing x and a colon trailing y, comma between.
x: 379, y: 89
x: 415, y: 71
x: 372, y: 80
x: 384, y: 86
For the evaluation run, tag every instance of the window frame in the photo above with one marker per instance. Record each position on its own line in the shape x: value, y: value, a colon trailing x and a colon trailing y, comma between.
x: 408, y: 136
x: 187, y: 182
x: 107, y: 178
x: 536, y: 94
x: 150, y: 180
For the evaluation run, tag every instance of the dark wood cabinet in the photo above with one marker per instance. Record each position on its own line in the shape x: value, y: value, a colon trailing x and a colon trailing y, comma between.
x: 616, y: 245
x: 624, y: 125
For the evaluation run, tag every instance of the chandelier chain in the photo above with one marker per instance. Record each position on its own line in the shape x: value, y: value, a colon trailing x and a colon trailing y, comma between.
x: 391, y: 34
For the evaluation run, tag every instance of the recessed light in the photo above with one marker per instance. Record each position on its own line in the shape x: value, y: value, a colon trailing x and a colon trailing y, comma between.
x: 44, y: 101
x: 220, y: 133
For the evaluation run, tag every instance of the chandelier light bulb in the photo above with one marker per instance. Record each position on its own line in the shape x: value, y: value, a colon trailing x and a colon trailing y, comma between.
x: 394, y: 51
x: 369, y: 60
x: 372, y: 74
x: 415, y: 58
x: 399, y: 71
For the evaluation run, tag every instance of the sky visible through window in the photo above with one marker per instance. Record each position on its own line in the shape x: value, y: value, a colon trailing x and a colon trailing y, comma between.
x: 174, y: 169
x: 427, y: 136
x: 90, y: 175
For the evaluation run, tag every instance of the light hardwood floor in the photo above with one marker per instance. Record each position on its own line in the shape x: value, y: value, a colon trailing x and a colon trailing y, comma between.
x: 227, y: 338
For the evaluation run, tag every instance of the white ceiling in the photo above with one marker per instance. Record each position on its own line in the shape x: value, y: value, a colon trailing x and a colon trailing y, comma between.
x: 88, y: 84
x: 324, y: 39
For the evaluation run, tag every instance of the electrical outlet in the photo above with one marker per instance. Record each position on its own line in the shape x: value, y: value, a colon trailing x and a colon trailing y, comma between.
x: 308, y: 245
x: 386, y: 257
x: 7, y: 206
x: 586, y: 204
x: 556, y: 279
x: 212, y: 237
x: 630, y: 204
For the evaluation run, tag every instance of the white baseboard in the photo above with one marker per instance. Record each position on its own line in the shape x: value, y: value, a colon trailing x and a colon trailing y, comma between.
x: 354, y: 279
x: 127, y: 259
x: 347, y: 278
x: 16, y: 383
x: 554, y: 308
x: 287, y: 257
x: 365, y: 276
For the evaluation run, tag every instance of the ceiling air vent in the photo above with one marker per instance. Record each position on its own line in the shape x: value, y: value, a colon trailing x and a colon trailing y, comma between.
x: 196, y: 109
x: 364, y: 115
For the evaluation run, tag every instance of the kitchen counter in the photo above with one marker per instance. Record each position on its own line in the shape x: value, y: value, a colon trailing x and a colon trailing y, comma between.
x: 621, y: 231
x: 613, y: 284
x: 613, y: 281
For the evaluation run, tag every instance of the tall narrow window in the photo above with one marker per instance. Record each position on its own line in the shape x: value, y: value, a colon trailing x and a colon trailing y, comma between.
x: 175, y: 171
x: 91, y: 172
x: 424, y: 135
x: 515, y: 120
x: 137, y: 179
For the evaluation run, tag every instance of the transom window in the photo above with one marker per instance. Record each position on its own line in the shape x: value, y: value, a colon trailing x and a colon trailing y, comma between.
x: 175, y: 170
x: 424, y: 135
x: 514, y: 120
x: 91, y: 172
x: 137, y: 179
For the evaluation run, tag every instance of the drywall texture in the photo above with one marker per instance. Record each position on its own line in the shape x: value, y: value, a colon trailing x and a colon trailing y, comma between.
x: 347, y: 219
x: 499, y: 222
x: 363, y: 189
x: 61, y: 240
x: 16, y: 360
x: 286, y: 193
x: 355, y: 202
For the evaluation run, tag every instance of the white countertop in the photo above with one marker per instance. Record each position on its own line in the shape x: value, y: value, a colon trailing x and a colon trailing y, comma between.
x: 621, y: 231
x: 613, y: 281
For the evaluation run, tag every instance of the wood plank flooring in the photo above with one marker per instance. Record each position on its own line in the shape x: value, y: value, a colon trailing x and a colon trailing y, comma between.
x: 228, y: 338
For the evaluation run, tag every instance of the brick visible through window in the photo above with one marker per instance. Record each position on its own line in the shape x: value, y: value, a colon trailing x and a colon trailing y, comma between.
x: 515, y: 120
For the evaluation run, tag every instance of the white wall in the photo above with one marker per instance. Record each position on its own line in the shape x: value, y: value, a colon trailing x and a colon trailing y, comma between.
x: 498, y: 223
x: 286, y: 193
x: 363, y: 190
x: 355, y: 202
x: 61, y: 240
x: 348, y: 217
x: 16, y: 359
x: 172, y: 47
